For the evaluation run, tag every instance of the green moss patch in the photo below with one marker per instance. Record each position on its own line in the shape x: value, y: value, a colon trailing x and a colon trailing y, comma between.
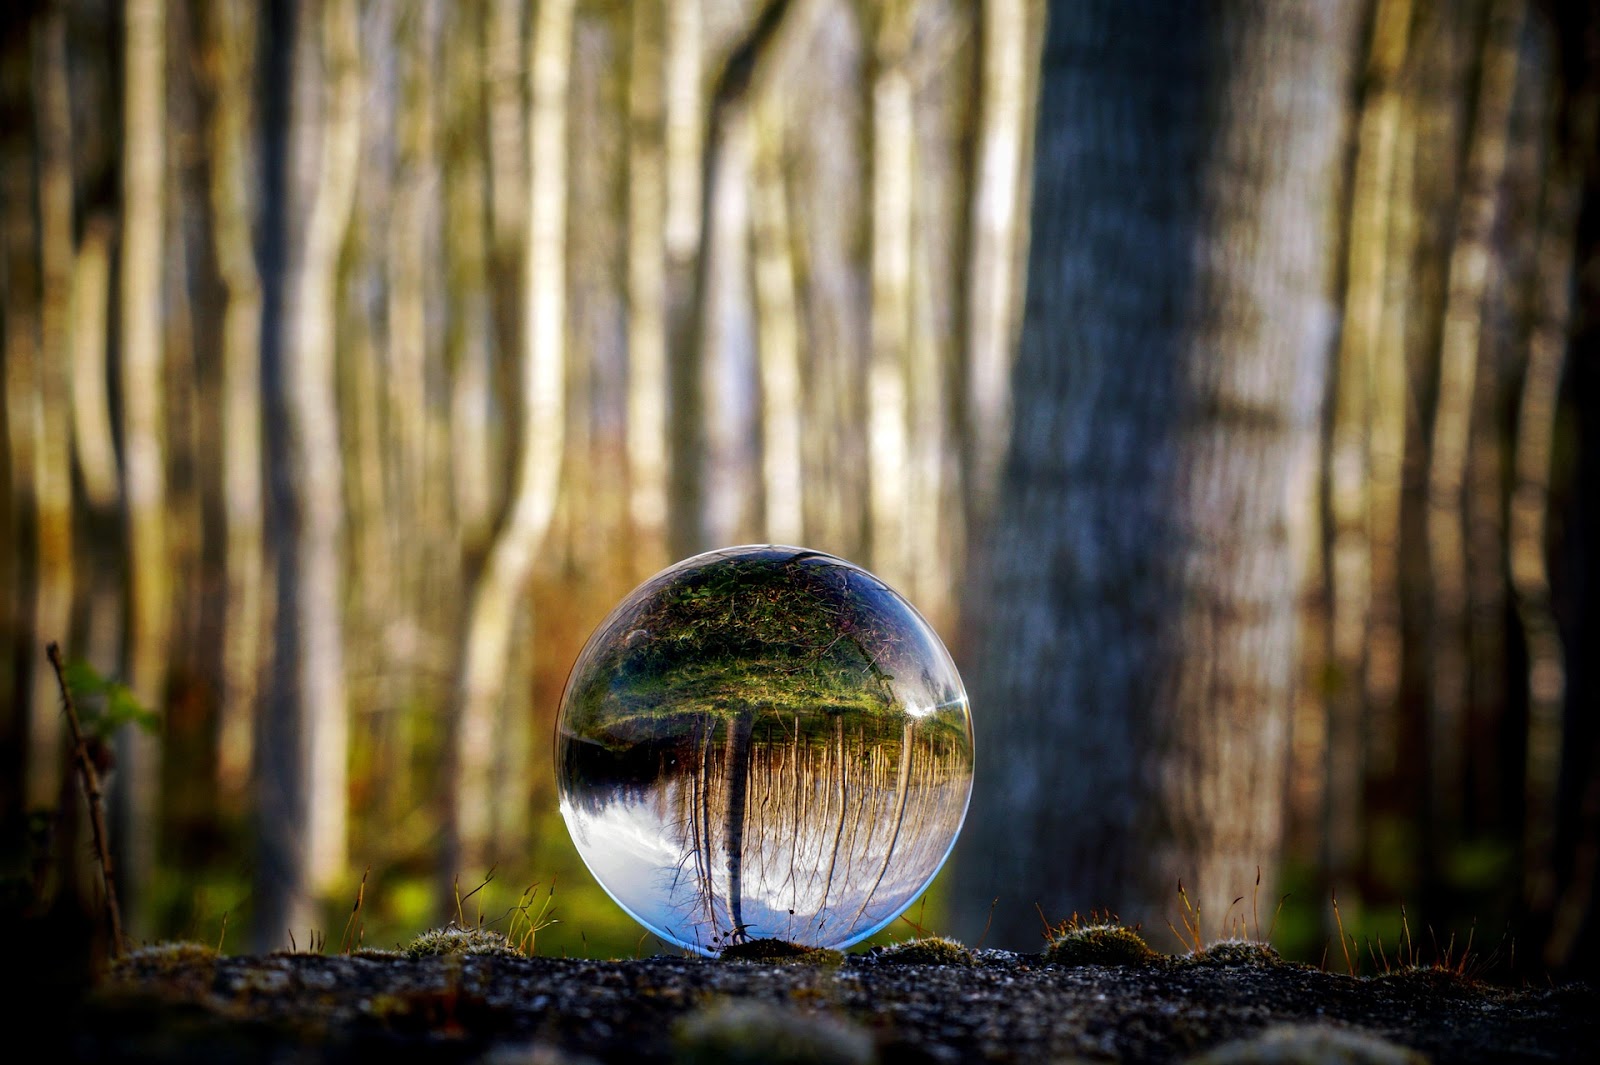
x: 929, y: 950
x: 1234, y: 954
x: 453, y: 939
x: 1099, y: 944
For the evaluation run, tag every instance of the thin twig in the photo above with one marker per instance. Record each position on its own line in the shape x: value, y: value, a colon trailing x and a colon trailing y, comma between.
x: 91, y: 790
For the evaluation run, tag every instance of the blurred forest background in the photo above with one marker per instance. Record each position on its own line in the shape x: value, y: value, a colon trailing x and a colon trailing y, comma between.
x: 360, y: 355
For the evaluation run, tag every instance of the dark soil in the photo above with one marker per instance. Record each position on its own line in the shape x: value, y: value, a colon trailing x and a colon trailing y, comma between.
x: 167, y: 1004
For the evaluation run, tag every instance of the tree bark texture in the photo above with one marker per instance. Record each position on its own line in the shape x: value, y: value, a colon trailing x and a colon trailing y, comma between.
x: 1134, y: 642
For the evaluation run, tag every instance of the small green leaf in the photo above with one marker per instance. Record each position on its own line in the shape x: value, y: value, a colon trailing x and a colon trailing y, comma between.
x: 106, y: 705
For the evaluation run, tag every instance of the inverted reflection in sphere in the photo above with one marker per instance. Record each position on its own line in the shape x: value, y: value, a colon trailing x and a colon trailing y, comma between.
x: 764, y: 742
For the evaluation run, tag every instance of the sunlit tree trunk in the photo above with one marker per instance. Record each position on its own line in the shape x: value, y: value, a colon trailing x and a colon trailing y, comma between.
x: 501, y: 588
x: 1349, y: 557
x: 833, y: 270
x: 777, y: 330
x: 1009, y: 72
x: 91, y: 405
x: 1136, y: 615
x: 893, y: 151
x: 683, y: 63
x: 647, y: 325
x: 52, y: 454
x: 231, y: 36
x: 138, y: 778
x: 942, y: 123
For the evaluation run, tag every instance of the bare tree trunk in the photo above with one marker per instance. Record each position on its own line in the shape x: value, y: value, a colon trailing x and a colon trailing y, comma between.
x: 1009, y: 67
x: 682, y: 226
x: 1529, y: 513
x: 503, y: 584
x: 136, y: 787
x: 302, y: 790
x: 470, y: 353
x: 52, y: 451
x: 1136, y: 616
x: 778, y: 330
x: 19, y: 288
x: 91, y: 405
x: 833, y: 270
x: 231, y: 30
x: 1349, y: 558
x: 647, y: 325
x: 893, y: 150
x: 1459, y: 355
x: 939, y: 68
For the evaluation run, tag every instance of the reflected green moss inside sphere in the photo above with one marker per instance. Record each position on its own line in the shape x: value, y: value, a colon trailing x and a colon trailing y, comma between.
x: 764, y: 743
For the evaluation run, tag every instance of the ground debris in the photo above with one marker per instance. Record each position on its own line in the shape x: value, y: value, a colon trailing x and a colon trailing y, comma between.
x: 1006, y: 1007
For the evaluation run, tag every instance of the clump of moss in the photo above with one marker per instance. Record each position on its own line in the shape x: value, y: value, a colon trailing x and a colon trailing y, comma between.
x: 453, y: 939
x: 929, y: 950
x: 376, y: 953
x: 1310, y: 1044
x: 1235, y: 954
x: 741, y: 1031
x: 1098, y: 943
x: 162, y: 958
x: 781, y: 952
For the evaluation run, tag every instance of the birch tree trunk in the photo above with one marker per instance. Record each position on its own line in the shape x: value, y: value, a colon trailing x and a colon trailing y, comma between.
x: 1135, y: 618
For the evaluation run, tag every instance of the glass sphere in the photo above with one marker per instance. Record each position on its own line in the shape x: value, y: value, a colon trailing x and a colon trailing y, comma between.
x: 764, y: 742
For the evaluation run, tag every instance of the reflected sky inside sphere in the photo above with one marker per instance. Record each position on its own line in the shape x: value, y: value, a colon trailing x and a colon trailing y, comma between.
x: 764, y: 742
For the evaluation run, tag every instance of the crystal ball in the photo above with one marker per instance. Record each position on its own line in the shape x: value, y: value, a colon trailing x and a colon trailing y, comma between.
x: 764, y: 742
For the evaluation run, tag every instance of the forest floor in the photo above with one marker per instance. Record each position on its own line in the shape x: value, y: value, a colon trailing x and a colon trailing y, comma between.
x: 185, y: 1003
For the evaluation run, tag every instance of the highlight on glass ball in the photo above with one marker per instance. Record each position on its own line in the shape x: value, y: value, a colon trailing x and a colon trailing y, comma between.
x: 764, y: 742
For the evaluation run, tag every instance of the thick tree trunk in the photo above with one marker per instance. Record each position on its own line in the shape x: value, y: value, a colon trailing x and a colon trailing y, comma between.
x: 1134, y: 630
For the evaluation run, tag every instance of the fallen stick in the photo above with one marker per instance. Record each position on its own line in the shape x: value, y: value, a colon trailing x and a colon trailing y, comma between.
x: 91, y: 790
